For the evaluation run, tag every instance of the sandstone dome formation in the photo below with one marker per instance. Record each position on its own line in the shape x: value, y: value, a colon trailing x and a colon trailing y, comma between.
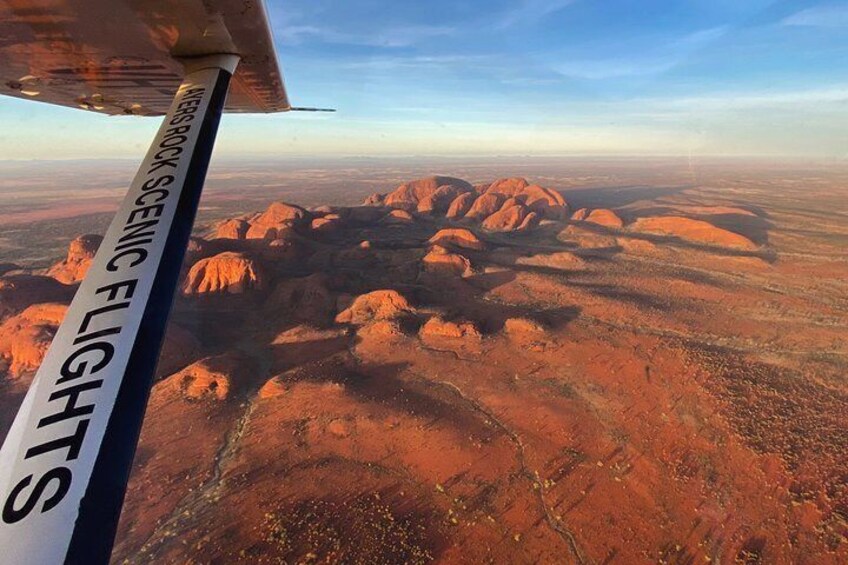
x: 235, y: 228
x: 331, y: 223
x: 508, y: 218
x: 697, y: 231
x: 375, y: 199
x: 546, y: 202
x: 442, y: 262
x: 275, y: 218
x: 80, y: 253
x: 211, y: 377
x: 460, y: 205
x: 604, y: 217
x: 272, y: 388
x: 502, y: 205
x: 438, y: 327
x: 376, y: 305
x: 398, y: 217
x: 508, y: 186
x: 441, y: 199
x: 530, y: 222
x: 381, y: 329
x: 485, y: 205
x: 457, y: 237
x: 410, y: 194
x: 580, y: 215
x: 24, y: 338
x: 522, y: 327
x: 228, y: 272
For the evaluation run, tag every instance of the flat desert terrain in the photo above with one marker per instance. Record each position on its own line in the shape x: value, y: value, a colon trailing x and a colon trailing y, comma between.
x: 522, y: 360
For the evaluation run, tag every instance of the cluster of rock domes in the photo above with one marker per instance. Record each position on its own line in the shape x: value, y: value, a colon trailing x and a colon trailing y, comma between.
x: 247, y: 254
x: 509, y: 204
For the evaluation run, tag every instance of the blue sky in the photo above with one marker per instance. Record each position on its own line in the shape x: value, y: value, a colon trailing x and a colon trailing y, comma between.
x: 456, y: 77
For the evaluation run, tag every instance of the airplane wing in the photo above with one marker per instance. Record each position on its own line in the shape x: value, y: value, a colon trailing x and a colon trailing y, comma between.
x: 125, y: 56
x: 66, y: 460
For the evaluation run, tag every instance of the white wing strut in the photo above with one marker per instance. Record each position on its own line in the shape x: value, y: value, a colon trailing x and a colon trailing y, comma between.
x: 66, y: 461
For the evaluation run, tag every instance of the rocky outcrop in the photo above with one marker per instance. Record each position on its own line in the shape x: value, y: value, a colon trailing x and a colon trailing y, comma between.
x: 441, y: 199
x: 273, y: 388
x: 530, y: 222
x: 508, y: 218
x: 457, y: 237
x: 692, y: 230
x: 331, y: 223
x: 375, y: 199
x: 80, y: 253
x: 410, y: 194
x: 604, y: 217
x: 376, y: 305
x: 381, y: 329
x: 231, y: 229
x: 501, y: 206
x: 523, y: 327
x: 228, y: 272
x: 398, y: 217
x: 209, y: 378
x: 438, y: 327
x: 278, y: 216
x: 460, y: 205
x: 526, y: 333
x: 508, y: 186
x: 485, y: 205
x: 25, y: 337
x: 546, y: 202
x: 279, y: 213
x: 441, y: 262
x: 580, y: 215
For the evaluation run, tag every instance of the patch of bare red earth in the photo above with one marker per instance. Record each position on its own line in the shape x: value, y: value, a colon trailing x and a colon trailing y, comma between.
x: 395, y: 383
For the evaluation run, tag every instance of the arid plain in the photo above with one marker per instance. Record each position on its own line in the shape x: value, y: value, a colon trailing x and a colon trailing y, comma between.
x: 522, y: 360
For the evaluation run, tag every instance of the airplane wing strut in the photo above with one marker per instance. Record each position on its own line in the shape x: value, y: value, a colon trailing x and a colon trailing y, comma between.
x: 66, y: 461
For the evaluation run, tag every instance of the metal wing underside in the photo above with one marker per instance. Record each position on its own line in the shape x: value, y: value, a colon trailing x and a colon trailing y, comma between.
x: 123, y: 56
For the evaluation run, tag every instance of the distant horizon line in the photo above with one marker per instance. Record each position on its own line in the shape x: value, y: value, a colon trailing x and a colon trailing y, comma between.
x: 455, y: 157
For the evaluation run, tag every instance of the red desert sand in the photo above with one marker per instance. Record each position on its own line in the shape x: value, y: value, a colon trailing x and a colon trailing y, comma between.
x: 467, y: 373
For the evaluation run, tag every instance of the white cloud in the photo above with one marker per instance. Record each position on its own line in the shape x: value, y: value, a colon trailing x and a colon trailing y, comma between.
x: 614, y: 68
x: 400, y: 36
x: 807, y: 99
x: 530, y: 11
x: 420, y: 62
x: 642, y: 62
x: 830, y: 15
